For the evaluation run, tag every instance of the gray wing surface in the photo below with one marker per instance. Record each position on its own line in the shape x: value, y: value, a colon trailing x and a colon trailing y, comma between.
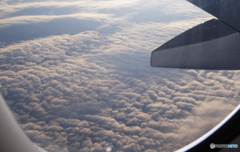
x: 227, y: 11
x: 213, y: 45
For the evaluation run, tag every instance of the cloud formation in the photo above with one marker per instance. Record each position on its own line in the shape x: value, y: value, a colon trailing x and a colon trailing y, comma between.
x: 92, y: 90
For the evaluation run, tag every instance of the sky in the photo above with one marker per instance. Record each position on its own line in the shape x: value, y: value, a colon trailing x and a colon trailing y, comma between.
x: 77, y: 76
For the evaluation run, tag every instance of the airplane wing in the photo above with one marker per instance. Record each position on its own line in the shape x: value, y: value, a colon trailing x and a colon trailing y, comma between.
x: 213, y: 45
x: 226, y: 11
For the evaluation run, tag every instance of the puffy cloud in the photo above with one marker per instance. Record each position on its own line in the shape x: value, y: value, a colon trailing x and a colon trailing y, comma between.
x: 92, y: 91
x: 85, y: 112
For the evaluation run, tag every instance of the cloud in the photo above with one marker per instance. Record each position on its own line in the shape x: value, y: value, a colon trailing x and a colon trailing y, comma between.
x: 91, y: 4
x: 88, y: 90
x: 111, y: 108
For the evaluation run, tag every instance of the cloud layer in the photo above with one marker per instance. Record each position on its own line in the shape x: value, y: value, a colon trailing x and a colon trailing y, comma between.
x: 94, y: 90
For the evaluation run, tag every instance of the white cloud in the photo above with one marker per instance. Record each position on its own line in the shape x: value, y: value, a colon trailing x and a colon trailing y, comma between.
x: 90, y: 91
